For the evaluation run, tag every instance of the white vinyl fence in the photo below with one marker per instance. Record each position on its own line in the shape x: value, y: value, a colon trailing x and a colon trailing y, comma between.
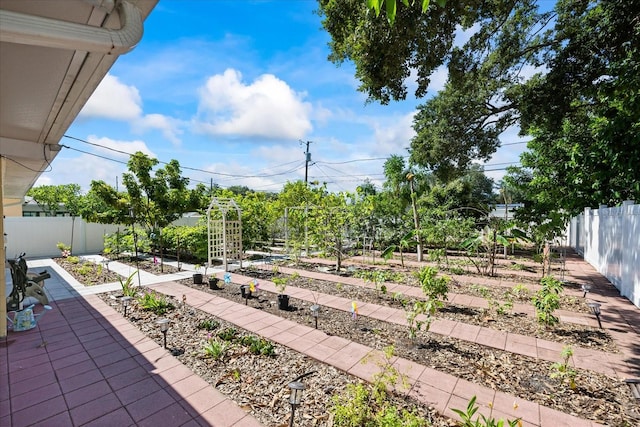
x: 609, y: 240
x: 38, y: 236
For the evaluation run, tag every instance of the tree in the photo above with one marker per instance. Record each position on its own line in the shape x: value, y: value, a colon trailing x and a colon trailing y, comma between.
x: 392, y: 4
x: 406, y: 185
x: 582, y: 108
x: 153, y: 201
x: 52, y: 197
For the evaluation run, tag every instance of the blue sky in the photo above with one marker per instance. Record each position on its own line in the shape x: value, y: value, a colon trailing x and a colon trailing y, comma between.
x: 230, y: 88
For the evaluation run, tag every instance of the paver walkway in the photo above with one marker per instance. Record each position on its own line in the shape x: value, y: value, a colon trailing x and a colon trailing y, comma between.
x: 85, y: 365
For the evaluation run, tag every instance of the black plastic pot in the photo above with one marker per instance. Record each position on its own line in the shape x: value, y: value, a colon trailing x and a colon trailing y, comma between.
x: 245, y: 291
x: 283, y: 302
x: 213, y: 283
x: 197, y: 279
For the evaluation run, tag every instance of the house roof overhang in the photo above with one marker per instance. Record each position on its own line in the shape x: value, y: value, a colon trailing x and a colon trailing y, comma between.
x: 53, y: 55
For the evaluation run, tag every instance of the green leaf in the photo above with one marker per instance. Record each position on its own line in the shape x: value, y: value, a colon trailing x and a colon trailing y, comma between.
x: 375, y: 5
x: 425, y: 5
x: 391, y: 10
x: 388, y: 252
x: 441, y: 3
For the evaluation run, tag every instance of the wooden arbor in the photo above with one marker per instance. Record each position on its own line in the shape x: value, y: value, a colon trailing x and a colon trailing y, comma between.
x: 224, y: 226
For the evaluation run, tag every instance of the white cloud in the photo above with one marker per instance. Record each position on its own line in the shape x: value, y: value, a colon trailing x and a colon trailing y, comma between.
x: 266, y: 108
x: 169, y: 127
x: 394, y: 137
x: 120, y: 147
x: 113, y: 100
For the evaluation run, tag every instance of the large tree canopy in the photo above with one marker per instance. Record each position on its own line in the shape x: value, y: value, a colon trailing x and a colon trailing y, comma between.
x: 582, y: 106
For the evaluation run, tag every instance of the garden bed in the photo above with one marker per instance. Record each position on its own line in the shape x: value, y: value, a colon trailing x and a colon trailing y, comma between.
x: 597, y: 397
x: 256, y: 382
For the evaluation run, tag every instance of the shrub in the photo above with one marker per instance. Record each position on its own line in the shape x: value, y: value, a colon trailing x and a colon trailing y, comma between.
x: 547, y: 300
x: 155, y: 303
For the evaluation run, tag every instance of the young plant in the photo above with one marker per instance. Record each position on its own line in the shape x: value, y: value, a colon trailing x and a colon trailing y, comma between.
x: 547, y: 300
x: 362, y: 405
x: 155, y: 303
x: 128, y: 288
x: 494, y: 305
x: 228, y: 334
x: 216, y: 348
x: 520, y: 292
x: 436, y: 288
x: 258, y: 346
x: 208, y: 325
x: 420, y: 307
x: 466, y: 417
x: 65, y: 250
x: 281, y: 283
x: 562, y: 370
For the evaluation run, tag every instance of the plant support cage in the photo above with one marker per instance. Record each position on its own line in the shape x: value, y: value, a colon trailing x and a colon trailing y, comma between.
x: 224, y: 226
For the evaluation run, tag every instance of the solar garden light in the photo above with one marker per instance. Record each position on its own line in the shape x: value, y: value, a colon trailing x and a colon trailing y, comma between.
x: 125, y: 303
x: 297, y: 388
x: 595, y: 309
x: 164, y: 327
x: 586, y: 289
x: 315, y: 312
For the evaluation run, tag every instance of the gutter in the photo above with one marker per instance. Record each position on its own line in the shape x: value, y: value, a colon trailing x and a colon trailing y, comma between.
x: 38, y: 31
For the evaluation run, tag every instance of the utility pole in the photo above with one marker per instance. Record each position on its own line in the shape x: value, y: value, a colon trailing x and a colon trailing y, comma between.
x: 307, y: 160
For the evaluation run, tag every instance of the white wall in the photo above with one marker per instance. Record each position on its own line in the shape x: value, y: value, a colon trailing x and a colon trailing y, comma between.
x: 609, y: 240
x: 38, y: 236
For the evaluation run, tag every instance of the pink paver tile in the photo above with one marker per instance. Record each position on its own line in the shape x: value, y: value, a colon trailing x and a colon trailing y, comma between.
x: 369, y: 366
x: 383, y: 313
x: 527, y: 348
x: 442, y: 327
x: 138, y: 390
x: 549, y: 345
x: 25, y: 373
x: 515, y: 407
x: 492, y: 338
x: 35, y: 414
x: 349, y: 356
x: 127, y: 378
x: 116, y: 356
x: 94, y: 409
x: 224, y: 414
x: 69, y: 360
x: 62, y: 419
x: 29, y: 399
x: 33, y: 384
x: 76, y: 369
x: 457, y: 402
x: 552, y: 417
x: 81, y: 380
x: 439, y: 380
x: 175, y: 374
x: 430, y: 396
x: 283, y: 337
x: 118, y: 368
x: 202, y: 401
x: 144, y: 407
x: 408, y: 368
x: 170, y: 416
x: 119, y: 417
x: 87, y: 394
x: 320, y: 351
x: 247, y: 421
x: 467, y: 389
x: 304, y: 345
x: 465, y: 332
x: 335, y: 342
x: 186, y: 387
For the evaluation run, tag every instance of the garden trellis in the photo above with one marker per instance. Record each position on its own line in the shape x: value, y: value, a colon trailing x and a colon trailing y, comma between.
x: 224, y: 233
